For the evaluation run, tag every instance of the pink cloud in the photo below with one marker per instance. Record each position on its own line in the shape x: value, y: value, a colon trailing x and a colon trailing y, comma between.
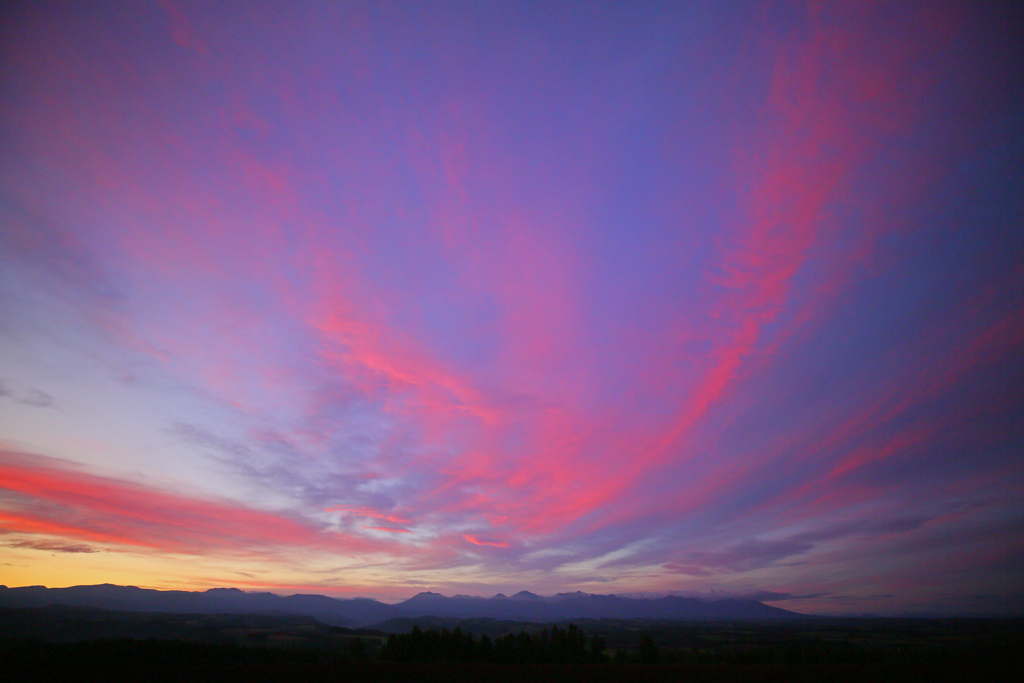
x: 827, y: 114
x: 181, y: 29
x: 369, y: 512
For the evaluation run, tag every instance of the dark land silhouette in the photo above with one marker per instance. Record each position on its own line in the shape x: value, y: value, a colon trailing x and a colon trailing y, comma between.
x: 68, y: 642
x: 60, y: 643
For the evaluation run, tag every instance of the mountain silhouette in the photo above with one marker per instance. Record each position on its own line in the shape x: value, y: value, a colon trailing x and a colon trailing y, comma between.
x: 355, y: 612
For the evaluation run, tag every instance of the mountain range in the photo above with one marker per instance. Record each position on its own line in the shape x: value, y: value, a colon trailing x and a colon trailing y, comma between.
x: 355, y: 612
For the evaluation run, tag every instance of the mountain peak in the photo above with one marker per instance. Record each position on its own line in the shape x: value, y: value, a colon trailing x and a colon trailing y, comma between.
x: 426, y: 596
x: 526, y: 595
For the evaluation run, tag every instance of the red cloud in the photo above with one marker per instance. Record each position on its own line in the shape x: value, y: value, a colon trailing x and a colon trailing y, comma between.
x: 55, y: 500
x: 476, y: 541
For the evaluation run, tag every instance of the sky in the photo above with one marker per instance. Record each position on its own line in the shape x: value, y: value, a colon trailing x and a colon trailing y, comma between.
x: 365, y: 299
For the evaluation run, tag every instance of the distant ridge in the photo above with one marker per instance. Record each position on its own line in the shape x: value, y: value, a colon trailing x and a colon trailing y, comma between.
x: 214, y: 601
x: 523, y: 606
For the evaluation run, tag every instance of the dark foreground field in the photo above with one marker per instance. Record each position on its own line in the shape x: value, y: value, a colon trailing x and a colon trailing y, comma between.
x: 54, y: 645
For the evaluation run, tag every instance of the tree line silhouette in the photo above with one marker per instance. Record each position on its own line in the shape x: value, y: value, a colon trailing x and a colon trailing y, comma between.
x: 569, y: 645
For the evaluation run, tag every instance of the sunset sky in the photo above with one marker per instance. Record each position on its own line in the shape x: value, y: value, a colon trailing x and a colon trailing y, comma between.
x: 364, y: 299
